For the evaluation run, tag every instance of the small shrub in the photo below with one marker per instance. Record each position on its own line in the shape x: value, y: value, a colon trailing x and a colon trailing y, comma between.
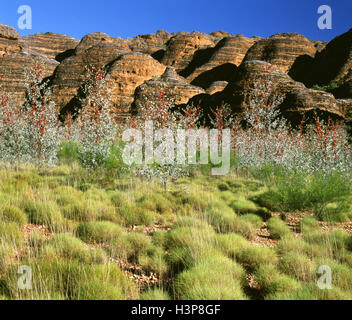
x: 69, y: 247
x: 336, y: 240
x: 253, y: 219
x: 271, y: 281
x: 243, y: 206
x: 129, y: 246
x: 324, y: 189
x: 130, y: 215
x: 187, y: 236
x: 72, y: 281
x: 312, y: 292
x: 230, y: 244
x: 227, y: 222
x: 277, y: 228
x: 47, y: 214
x: 309, y: 224
x: 7, y: 257
x: 14, y: 214
x: 297, y: 265
x: 155, y: 294
x: 159, y: 238
x: 341, y: 273
x: 79, y: 211
x: 191, y: 222
x: 289, y: 243
x: 36, y: 240
x: 98, y: 232
x: 153, y: 261
x: 252, y: 257
x: 213, y: 278
x: 10, y: 233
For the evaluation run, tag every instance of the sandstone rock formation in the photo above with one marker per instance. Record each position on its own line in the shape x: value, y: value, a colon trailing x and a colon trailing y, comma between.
x: 229, y: 50
x: 319, y: 45
x: 13, y: 67
x: 70, y: 74
x: 217, y: 86
x: 149, y: 43
x: 281, y: 49
x: 177, y: 88
x: 271, y: 81
x: 9, y: 41
x: 198, y: 68
x: 50, y: 44
x: 94, y: 38
x: 180, y: 49
x: 218, y: 35
x: 8, y: 32
x: 297, y: 98
x: 127, y: 73
x: 332, y: 64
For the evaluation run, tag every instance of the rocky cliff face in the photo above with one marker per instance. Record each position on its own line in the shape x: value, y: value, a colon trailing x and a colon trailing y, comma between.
x: 333, y: 64
x: 296, y: 97
x: 181, y: 48
x: 281, y: 49
x: 270, y: 82
x: 9, y: 41
x: 205, y: 69
x: 51, y: 45
x: 176, y: 87
x: 127, y: 73
x: 228, y: 50
x: 70, y: 73
x: 12, y: 75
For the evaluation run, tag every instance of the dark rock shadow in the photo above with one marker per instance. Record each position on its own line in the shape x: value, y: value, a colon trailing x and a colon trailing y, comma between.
x: 302, y: 70
x: 159, y: 55
x: 62, y: 56
x: 226, y: 72
x: 200, y: 57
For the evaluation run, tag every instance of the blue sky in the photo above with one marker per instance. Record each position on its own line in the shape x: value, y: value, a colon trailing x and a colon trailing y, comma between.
x: 129, y: 18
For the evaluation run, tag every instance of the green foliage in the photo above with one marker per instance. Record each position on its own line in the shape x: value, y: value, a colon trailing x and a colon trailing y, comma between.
x: 45, y: 213
x: 298, y: 266
x: 10, y: 233
x: 212, y: 278
x: 153, y: 260
x: 277, y: 228
x: 68, y: 151
x: 99, y: 231
x: 252, y: 257
x: 255, y: 220
x: 271, y: 281
x: 226, y: 221
x: 129, y: 246
x: 291, y: 191
x: 130, y: 215
x: 204, y: 254
x: 72, y: 280
x: 69, y: 247
x: 312, y: 292
x: 13, y: 214
x: 155, y: 294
